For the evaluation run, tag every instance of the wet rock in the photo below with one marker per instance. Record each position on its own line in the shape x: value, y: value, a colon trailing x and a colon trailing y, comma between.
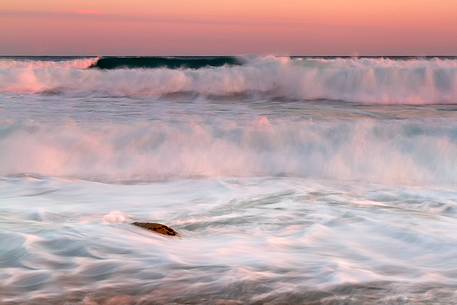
x: 156, y: 227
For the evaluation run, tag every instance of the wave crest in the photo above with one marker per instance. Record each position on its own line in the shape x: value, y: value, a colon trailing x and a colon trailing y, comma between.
x: 366, y: 80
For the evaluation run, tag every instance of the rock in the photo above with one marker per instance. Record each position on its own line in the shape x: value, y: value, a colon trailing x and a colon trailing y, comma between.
x: 156, y: 227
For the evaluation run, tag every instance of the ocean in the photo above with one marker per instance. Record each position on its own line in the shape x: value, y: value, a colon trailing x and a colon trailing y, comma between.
x: 290, y: 180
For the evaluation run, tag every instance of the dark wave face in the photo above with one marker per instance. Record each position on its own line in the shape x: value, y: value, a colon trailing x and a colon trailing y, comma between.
x: 108, y: 63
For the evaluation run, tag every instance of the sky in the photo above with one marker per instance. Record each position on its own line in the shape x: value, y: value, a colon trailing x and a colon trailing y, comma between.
x: 228, y: 27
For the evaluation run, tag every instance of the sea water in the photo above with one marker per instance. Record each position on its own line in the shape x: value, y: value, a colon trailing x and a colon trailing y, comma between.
x: 289, y: 180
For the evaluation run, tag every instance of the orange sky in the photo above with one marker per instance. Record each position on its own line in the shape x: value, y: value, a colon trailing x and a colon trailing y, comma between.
x: 189, y: 27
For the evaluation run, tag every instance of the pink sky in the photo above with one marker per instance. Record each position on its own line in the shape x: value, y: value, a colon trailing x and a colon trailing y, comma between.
x: 204, y: 27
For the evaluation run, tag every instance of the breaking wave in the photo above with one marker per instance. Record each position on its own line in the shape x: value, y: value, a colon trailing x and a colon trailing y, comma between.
x: 384, y: 152
x: 361, y: 80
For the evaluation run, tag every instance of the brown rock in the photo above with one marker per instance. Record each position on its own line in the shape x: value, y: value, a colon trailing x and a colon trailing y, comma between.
x: 156, y: 227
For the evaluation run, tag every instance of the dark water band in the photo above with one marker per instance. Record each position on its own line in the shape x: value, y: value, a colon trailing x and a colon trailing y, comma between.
x: 108, y: 63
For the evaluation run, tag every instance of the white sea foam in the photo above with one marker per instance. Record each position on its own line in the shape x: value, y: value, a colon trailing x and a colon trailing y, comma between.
x: 115, y: 217
x: 381, y: 81
x: 275, y: 235
x: 385, y: 152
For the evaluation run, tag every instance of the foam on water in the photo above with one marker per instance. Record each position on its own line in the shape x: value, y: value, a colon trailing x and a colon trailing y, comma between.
x: 279, y: 235
x: 368, y: 80
x: 370, y: 150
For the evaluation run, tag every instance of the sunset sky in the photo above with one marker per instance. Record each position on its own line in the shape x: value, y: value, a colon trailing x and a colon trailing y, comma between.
x: 214, y: 27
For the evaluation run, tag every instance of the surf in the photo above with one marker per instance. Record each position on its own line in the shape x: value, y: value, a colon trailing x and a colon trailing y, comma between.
x: 405, y: 152
x: 360, y: 80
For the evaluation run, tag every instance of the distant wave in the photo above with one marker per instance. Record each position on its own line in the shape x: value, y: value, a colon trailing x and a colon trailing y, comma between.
x: 362, y: 80
x: 164, y: 62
